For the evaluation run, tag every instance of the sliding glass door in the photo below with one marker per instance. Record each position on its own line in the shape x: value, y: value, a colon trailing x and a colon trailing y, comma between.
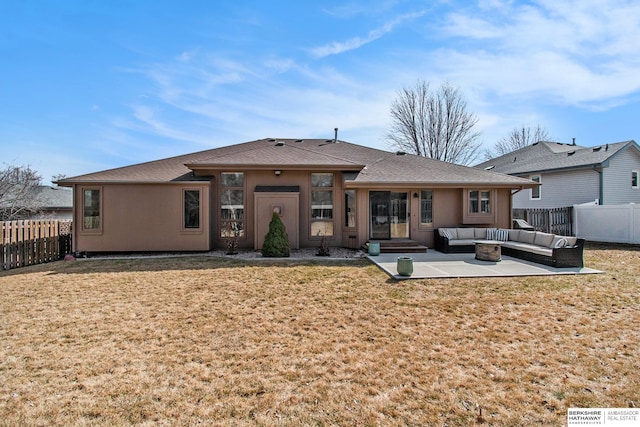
x: 389, y: 215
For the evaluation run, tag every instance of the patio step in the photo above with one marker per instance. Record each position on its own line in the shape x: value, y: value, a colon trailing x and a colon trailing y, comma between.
x: 397, y: 246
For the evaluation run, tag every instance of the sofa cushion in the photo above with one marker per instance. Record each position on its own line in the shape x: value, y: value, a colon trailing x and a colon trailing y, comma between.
x: 466, y: 233
x: 480, y: 233
x: 461, y: 242
x: 513, y: 235
x: 529, y: 247
x: 543, y: 239
x: 526, y: 236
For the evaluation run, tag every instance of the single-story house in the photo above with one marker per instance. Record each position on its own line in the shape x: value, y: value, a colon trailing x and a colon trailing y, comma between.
x: 347, y: 193
x: 570, y: 174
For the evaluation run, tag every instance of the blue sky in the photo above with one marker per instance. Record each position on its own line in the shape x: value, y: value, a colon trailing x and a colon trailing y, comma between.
x: 91, y: 85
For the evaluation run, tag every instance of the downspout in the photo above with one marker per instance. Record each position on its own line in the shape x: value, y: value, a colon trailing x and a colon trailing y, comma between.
x: 75, y: 221
x: 601, y: 184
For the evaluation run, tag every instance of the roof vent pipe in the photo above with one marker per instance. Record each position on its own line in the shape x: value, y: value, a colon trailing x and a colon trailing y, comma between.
x: 335, y: 138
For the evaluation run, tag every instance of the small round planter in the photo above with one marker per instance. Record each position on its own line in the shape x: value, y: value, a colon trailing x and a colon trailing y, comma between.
x: 405, y: 266
x: 374, y: 248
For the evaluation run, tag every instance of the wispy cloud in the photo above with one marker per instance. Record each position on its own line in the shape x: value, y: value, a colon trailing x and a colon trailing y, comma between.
x: 335, y: 48
x: 581, y: 53
x: 208, y: 100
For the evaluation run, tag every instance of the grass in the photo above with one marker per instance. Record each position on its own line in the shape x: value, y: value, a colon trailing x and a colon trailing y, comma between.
x: 221, y: 342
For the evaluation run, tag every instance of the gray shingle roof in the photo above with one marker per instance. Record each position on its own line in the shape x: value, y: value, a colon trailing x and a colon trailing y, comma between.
x: 45, y: 197
x: 548, y: 156
x: 366, y: 165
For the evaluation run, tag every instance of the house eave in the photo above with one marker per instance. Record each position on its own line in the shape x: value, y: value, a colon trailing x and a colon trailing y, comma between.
x: 130, y: 182
x: 417, y: 184
x: 589, y: 166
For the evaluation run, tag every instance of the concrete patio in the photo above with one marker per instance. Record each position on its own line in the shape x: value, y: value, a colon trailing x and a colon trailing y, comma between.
x: 434, y: 264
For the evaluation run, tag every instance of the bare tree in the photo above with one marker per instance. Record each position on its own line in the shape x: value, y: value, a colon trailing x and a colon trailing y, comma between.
x: 434, y: 124
x: 519, y: 137
x: 18, y: 185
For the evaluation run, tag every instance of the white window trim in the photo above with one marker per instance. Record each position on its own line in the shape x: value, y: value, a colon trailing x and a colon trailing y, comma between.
x: 539, y: 188
x: 637, y: 173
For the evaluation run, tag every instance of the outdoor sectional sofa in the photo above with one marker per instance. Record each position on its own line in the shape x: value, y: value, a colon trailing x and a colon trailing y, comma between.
x: 536, y: 246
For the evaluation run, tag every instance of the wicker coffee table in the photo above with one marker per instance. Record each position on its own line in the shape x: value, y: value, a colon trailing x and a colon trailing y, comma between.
x: 488, y: 250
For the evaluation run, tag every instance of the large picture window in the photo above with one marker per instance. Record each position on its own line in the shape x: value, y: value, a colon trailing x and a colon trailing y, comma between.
x: 91, y: 209
x: 232, y: 204
x: 191, y: 209
x: 322, y: 204
x: 426, y: 208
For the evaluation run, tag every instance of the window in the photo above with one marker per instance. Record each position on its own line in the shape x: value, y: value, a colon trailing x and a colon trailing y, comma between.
x: 91, y: 209
x: 322, y: 204
x: 350, y: 208
x: 191, y: 200
x: 232, y: 204
x: 634, y: 179
x: 536, y: 192
x: 426, y: 208
x: 479, y: 202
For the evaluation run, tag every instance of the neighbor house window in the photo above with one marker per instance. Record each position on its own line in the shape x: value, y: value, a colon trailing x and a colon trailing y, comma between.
x: 232, y: 204
x: 426, y: 208
x: 322, y: 204
x: 191, y: 209
x: 634, y: 179
x: 350, y: 208
x: 479, y: 202
x: 536, y: 191
x: 91, y: 209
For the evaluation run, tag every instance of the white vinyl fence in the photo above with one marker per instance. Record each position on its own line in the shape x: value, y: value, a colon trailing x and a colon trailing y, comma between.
x: 607, y: 223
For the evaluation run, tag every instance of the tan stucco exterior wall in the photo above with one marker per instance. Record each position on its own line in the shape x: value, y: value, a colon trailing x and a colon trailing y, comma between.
x: 149, y: 217
x: 142, y: 218
x: 286, y: 178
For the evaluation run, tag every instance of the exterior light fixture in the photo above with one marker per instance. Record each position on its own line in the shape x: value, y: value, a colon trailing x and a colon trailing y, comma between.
x: 277, y: 172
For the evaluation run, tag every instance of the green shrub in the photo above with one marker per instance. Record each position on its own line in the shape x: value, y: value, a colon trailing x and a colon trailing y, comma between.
x: 276, y: 241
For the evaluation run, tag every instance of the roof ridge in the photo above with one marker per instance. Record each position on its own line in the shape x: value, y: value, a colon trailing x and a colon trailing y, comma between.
x: 331, y: 155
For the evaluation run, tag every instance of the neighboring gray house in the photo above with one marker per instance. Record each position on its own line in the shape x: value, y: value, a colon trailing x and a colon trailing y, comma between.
x: 570, y: 174
x: 53, y: 203
x: 41, y: 202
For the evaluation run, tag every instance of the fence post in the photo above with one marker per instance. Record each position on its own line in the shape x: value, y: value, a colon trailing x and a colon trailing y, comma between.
x: 2, y: 246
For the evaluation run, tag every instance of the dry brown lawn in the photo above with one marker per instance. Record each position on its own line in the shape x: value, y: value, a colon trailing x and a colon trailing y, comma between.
x: 184, y: 341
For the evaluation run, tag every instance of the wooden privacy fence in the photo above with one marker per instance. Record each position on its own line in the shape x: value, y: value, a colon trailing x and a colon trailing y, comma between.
x: 30, y: 242
x: 556, y: 221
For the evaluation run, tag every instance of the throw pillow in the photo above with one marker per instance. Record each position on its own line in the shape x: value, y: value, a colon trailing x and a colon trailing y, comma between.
x: 561, y: 243
x: 501, y: 235
x: 491, y: 233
